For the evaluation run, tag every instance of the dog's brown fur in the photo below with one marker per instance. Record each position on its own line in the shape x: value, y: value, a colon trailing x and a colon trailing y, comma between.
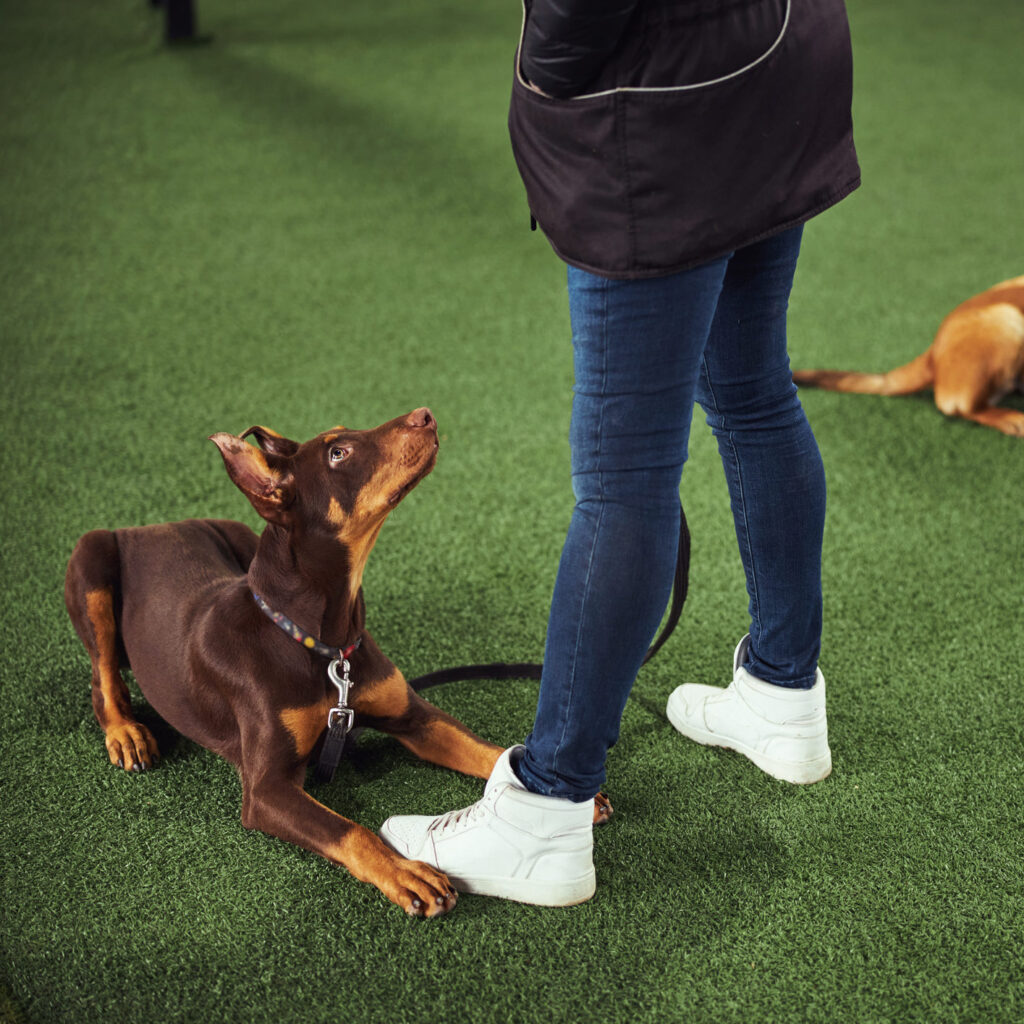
x: 174, y: 602
x: 977, y: 357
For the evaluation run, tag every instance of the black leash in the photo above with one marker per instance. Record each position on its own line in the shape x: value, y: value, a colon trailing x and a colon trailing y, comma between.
x: 532, y: 670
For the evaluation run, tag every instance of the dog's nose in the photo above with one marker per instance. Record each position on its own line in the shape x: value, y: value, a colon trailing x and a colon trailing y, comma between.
x: 420, y: 418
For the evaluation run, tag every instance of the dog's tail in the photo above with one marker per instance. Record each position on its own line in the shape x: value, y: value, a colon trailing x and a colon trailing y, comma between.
x: 904, y: 380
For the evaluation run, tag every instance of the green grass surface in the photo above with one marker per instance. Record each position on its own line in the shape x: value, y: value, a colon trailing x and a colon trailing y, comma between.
x: 316, y: 218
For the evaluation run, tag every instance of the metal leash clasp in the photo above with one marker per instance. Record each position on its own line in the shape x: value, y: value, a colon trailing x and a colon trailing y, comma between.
x: 343, y: 683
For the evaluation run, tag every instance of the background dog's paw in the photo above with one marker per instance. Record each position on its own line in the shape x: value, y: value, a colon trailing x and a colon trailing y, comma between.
x: 1013, y: 424
x: 131, y: 746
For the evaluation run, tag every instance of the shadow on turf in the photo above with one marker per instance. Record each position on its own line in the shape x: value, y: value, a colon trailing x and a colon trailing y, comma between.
x: 10, y: 1010
x: 416, y: 24
x: 366, y: 137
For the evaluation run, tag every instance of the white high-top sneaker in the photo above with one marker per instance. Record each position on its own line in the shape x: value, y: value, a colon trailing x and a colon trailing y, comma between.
x: 783, y: 731
x: 512, y: 843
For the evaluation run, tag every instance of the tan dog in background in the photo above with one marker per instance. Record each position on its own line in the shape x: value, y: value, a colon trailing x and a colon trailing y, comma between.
x: 977, y: 357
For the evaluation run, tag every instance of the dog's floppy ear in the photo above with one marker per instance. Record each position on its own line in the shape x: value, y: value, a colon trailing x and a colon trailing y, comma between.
x: 270, y: 441
x: 266, y: 483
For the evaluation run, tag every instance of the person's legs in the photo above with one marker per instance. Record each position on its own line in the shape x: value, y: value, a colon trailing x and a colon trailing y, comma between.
x: 640, y: 348
x: 637, y: 348
x: 772, y: 463
x: 773, y: 712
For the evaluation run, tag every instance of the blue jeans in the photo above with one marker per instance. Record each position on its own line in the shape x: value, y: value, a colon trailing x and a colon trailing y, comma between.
x: 644, y: 350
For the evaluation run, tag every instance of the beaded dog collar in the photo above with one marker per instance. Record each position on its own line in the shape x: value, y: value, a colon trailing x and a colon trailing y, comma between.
x: 307, y: 640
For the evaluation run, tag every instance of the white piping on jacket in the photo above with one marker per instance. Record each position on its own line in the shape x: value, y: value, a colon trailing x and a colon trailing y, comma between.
x: 661, y: 88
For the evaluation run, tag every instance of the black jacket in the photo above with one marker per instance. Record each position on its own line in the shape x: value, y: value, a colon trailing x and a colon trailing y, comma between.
x: 679, y: 130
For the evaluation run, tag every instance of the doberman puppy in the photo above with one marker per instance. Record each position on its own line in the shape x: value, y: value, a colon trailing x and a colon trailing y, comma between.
x: 977, y: 357
x: 175, y: 602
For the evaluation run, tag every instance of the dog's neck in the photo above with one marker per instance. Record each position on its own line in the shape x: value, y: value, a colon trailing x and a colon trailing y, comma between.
x: 308, y: 579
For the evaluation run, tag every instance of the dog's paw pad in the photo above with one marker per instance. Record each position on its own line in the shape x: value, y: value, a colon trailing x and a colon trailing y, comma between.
x: 131, y: 746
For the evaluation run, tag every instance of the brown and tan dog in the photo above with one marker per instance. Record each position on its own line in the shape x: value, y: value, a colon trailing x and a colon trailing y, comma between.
x: 175, y: 603
x: 977, y: 357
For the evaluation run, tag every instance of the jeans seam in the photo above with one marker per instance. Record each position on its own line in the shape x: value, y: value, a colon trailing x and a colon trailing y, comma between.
x: 576, y: 644
x: 593, y: 544
x: 749, y: 565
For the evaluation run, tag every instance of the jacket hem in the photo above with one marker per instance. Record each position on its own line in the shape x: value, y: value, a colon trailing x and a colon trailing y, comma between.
x: 639, y: 273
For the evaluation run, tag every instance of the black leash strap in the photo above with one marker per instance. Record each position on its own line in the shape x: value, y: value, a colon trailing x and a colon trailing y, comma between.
x: 331, y: 751
x: 680, y: 587
x: 339, y: 722
x: 530, y: 670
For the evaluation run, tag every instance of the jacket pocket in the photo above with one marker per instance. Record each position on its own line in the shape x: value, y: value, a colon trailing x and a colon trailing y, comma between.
x: 570, y: 156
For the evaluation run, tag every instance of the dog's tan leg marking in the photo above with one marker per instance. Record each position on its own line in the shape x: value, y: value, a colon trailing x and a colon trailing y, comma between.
x: 392, y: 706
x: 304, y: 724
x: 129, y: 743
x: 280, y: 807
x: 443, y: 740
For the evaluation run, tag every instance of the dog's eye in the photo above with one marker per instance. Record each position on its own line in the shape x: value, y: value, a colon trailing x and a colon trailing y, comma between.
x: 339, y: 454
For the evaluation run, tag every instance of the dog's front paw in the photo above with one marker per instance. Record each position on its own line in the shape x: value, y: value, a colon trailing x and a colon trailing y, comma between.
x: 418, y: 888
x: 421, y: 890
x: 130, y: 745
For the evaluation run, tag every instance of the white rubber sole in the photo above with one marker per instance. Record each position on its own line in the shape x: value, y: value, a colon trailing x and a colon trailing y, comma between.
x: 526, y: 890
x: 520, y: 890
x: 801, y: 773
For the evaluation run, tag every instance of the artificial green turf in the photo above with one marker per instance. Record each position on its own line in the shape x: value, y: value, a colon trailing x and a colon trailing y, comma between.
x: 316, y: 218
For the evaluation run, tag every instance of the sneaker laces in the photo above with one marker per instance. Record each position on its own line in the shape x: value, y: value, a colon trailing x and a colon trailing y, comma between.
x: 462, y: 817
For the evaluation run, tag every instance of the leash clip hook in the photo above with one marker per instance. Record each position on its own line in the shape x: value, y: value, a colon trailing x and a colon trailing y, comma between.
x: 343, y: 683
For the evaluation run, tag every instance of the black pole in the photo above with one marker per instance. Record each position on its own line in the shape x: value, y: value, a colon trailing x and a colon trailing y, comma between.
x: 180, y: 24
